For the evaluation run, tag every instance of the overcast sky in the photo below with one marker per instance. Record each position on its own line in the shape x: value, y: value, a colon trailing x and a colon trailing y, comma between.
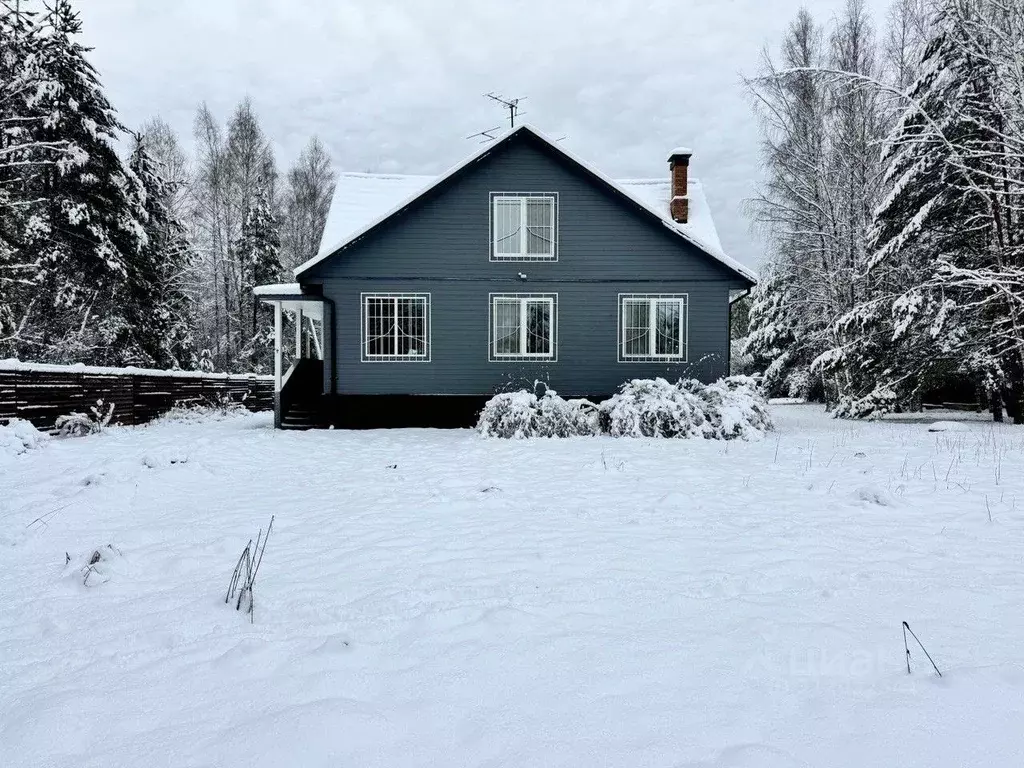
x: 396, y: 85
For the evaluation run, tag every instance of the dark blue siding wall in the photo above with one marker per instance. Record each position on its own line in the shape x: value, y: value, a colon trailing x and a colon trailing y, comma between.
x: 604, y: 248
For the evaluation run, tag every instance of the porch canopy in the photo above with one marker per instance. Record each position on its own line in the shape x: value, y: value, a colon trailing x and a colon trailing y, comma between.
x: 289, y: 297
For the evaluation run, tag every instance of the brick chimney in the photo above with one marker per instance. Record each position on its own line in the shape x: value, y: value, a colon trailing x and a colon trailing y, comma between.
x: 678, y: 166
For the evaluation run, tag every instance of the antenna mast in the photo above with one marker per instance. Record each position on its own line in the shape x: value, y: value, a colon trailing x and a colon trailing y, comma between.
x: 512, y: 105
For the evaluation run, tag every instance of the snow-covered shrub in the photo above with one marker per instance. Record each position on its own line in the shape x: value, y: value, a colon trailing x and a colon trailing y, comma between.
x: 213, y: 409
x: 653, y: 408
x: 728, y: 409
x: 522, y: 414
x: 79, y: 424
x: 95, y: 567
x: 737, y: 408
x: 19, y: 436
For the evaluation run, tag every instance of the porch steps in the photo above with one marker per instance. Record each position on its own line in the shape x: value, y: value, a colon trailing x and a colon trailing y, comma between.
x: 299, y: 417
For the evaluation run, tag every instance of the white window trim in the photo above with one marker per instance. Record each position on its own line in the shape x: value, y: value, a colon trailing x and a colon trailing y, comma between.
x: 523, y: 298
x: 365, y: 356
x: 522, y: 255
x: 684, y: 318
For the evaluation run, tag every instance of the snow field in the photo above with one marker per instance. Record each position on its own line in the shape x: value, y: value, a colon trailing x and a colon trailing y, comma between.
x: 433, y: 598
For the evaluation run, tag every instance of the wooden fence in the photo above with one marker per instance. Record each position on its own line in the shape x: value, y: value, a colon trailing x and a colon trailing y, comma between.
x: 41, y: 394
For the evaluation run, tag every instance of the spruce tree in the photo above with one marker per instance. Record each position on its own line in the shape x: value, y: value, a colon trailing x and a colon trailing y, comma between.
x: 86, y: 226
x: 163, y: 270
x: 258, y: 256
x: 932, y: 316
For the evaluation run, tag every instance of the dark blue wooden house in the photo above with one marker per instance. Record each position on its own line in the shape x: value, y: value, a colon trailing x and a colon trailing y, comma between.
x: 521, y: 265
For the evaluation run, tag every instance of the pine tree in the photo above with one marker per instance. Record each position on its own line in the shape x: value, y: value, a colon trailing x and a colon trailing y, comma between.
x: 84, y: 226
x: 257, y: 254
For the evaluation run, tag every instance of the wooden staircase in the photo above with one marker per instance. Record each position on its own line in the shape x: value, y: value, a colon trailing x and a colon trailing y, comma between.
x: 302, y: 398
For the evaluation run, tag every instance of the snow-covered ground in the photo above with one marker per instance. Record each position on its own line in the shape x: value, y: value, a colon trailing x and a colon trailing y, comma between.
x: 429, y: 598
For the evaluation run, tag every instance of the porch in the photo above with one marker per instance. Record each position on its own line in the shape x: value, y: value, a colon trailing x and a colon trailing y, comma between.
x: 302, y: 375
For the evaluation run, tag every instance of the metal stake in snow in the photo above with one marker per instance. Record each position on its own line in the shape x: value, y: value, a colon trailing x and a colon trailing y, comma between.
x: 906, y: 628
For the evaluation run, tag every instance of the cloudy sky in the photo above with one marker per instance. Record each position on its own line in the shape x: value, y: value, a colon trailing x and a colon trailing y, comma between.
x: 396, y: 85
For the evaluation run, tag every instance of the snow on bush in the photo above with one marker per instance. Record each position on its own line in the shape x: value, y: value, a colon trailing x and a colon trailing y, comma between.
x: 655, y: 408
x: 736, y: 408
x: 522, y: 414
x: 196, y: 412
x: 19, y: 436
x: 80, y: 424
x: 730, y: 408
x: 95, y: 567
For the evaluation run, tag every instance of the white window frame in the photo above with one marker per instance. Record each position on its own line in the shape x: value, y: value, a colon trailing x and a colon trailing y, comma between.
x: 523, y: 198
x: 652, y: 299
x: 551, y: 299
x: 364, y: 344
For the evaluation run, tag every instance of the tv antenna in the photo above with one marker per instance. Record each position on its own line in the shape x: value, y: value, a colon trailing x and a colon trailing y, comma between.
x: 485, y: 136
x: 512, y: 105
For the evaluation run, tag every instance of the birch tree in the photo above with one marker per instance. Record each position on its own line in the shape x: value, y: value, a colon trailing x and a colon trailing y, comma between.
x: 307, y: 201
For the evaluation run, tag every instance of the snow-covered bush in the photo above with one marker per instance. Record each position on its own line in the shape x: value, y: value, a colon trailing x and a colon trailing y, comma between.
x: 523, y: 414
x: 654, y: 408
x: 19, y: 436
x: 737, y: 408
x: 728, y: 409
x: 215, y: 409
x: 79, y: 424
x: 95, y: 567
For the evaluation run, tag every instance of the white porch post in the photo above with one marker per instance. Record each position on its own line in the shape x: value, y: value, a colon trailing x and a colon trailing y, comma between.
x: 278, y: 359
x: 298, y: 332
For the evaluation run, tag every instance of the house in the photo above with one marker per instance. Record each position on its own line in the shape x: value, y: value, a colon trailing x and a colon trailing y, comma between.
x: 523, y: 264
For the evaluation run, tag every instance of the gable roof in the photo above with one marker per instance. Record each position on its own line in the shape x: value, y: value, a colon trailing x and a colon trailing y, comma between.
x: 364, y: 201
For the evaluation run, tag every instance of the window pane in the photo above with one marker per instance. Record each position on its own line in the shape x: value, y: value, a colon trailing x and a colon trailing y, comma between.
x: 412, y: 326
x: 380, y: 326
x: 538, y: 327
x: 507, y: 224
x: 506, y: 327
x: 636, y: 327
x: 668, y: 340
x: 540, y: 226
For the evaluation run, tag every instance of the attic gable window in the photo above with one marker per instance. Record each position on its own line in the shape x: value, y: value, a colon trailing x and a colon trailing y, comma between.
x: 652, y: 328
x: 524, y: 226
x: 396, y: 328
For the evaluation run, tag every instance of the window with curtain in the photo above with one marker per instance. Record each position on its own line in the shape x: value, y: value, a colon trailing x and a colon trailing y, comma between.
x: 653, y: 327
x: 524, y: 227
x: 522, y: 326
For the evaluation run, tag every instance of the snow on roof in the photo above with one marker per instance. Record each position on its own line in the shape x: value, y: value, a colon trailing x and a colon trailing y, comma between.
x: 680, y: 151
x: 278, y: 289
x: 657, y: 193
x: 363, y: 200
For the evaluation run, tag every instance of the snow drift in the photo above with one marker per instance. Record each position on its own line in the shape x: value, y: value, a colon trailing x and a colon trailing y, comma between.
x: 19, y: 436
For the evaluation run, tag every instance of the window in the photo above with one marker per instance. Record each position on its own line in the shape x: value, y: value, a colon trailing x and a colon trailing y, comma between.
x: 396, y: 327
x: 524, y: 227
x: 523, y: 327
x: 652, y: 327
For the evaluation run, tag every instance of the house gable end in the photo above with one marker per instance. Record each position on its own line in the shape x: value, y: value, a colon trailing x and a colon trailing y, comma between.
x: 446, y: 228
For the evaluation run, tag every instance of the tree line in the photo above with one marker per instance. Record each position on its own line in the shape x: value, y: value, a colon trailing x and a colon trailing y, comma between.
x: 119, y: 246
x: 892, y: 207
